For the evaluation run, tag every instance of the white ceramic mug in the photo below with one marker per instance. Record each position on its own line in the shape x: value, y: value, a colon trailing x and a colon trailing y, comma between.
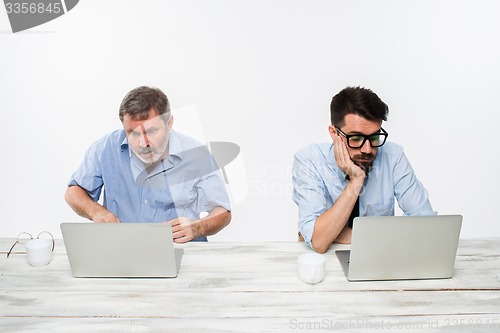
x: 39, y: 251
x: 311, y: 267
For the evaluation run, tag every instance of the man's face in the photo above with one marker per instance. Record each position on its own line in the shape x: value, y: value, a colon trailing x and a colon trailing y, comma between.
x: 354, y: 124
x: 148, y: 138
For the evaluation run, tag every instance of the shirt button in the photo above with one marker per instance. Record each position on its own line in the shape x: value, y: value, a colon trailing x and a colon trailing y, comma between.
x: 145, y: 201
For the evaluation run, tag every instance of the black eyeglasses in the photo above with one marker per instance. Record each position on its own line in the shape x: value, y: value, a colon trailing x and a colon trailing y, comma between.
x: 358, y: 140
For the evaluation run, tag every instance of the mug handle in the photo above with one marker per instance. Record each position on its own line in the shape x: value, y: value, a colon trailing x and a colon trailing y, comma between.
x: 53, y: 241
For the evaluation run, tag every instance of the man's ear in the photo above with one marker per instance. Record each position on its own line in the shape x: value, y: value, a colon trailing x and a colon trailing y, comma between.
x: 170, y: 122
x: 333, y: 131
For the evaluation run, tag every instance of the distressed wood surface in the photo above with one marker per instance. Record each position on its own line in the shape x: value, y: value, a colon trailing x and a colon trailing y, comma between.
x: 248, y: 287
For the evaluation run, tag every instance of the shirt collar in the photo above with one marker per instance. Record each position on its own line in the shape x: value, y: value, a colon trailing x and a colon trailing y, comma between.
x: 124, y: 146
x: 175, y: 145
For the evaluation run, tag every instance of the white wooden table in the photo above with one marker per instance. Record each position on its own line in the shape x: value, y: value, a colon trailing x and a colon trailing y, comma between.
x: 249, y: 287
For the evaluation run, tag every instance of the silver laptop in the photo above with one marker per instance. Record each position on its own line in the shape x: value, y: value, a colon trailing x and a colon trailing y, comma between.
x: 129, y: 250
x: 402, y: 247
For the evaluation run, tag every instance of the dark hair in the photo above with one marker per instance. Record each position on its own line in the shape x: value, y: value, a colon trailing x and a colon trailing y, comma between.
x: 139, y: 101
x: 359, y: 101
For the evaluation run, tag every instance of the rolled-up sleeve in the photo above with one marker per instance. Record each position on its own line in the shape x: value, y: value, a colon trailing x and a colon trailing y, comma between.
x: 212, y: 191
x: 309, y: 195
x: 412, y: 197
x: 89, y: 175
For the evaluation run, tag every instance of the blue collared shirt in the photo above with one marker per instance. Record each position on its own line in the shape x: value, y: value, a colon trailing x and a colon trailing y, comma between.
x: 318, y: 181
x: 185, y: 184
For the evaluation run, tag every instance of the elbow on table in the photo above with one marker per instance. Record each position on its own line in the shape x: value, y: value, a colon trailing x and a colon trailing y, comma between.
x: 227, y: 218
x: 319, y: 246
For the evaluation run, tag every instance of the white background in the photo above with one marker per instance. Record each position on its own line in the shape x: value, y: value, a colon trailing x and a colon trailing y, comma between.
x: 261, y: 74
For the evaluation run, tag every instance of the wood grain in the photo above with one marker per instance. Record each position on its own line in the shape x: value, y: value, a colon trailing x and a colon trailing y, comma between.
x: 249, y: 287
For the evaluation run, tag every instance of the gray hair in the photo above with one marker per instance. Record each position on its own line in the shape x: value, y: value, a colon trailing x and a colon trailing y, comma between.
x: 139, y: 101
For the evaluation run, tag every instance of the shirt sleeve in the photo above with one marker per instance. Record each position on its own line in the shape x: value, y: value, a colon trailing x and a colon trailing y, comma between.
x: 412, y: 197
x: 89, y: 175
x: 211, y: 188
x: 309, y: 193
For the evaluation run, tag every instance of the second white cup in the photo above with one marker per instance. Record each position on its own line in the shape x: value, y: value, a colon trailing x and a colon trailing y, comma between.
x: 311, y: 267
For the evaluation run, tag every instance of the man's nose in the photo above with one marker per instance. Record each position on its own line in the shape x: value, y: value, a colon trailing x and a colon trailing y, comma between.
x: 366, y: 148
x: 143, y: 140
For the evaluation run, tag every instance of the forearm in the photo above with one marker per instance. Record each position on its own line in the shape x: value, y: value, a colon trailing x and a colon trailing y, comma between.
x: 78, y: 199
x: 215, y: 221
x: 330, y: 226
x: 345, y: 236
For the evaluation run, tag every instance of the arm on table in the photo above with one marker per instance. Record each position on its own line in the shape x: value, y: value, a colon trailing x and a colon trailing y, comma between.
x: 79, y: 200
x: 330, y: 226
x: 185, y: 230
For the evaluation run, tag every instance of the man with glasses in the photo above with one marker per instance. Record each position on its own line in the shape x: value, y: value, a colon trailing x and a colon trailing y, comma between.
x: 151, y: 173
x: 360, y: 174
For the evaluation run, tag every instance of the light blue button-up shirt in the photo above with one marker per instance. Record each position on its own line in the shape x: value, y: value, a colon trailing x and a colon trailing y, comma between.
x: 185, y: 184
x: 318, y: 181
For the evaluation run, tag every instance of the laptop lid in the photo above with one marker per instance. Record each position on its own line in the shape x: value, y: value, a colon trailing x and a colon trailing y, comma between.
x: 402, y: 247
x: 121, y: 249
